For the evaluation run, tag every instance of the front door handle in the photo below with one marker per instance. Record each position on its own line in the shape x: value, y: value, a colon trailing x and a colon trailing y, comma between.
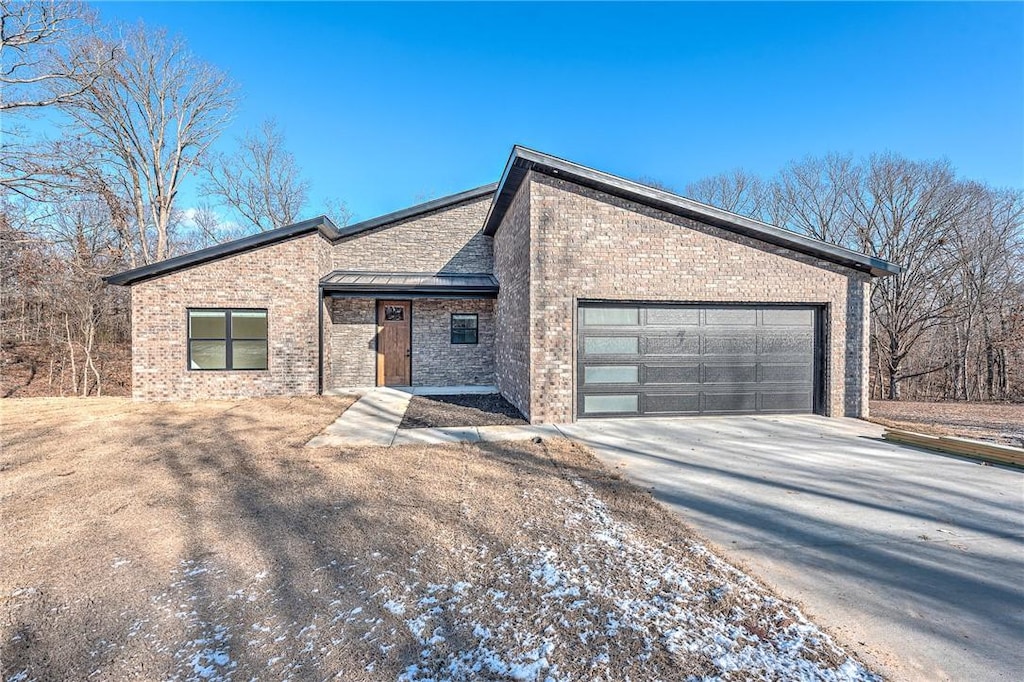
x: 408, y: 352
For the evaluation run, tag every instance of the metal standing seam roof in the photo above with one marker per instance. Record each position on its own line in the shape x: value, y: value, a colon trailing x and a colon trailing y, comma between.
x: 410, y: 283
x: 523, y: 160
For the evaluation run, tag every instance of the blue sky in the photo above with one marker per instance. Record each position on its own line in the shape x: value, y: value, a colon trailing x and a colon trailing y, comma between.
x: 385, y: 105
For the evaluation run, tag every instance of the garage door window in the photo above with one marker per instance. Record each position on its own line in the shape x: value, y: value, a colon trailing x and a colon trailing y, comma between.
x: 611, y: 404
x: 611, y: 317
x: 611, y: 374
x: 612, y: 345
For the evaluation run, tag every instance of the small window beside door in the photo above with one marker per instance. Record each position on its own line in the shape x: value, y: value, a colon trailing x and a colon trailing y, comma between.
x: 227, y: 339
x: 465, y: 328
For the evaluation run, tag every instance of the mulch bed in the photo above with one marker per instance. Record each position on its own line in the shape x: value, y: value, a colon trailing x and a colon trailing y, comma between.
x: 459, y: 410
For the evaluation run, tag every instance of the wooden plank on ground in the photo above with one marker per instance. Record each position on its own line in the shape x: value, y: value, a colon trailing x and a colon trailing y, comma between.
x: 965, y: 447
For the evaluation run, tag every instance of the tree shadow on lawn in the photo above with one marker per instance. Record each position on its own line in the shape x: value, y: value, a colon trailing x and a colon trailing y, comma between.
x: 247, y: 552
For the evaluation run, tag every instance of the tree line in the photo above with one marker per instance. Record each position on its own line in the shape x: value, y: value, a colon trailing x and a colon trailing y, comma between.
x: 951, y: 324
x: 104, y: 124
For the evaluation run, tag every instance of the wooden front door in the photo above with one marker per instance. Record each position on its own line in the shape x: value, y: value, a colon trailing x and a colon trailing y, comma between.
x: 394, y: 343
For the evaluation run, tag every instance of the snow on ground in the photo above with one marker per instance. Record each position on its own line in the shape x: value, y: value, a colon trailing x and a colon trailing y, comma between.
x: 603, y: 602
x: 613, y: 595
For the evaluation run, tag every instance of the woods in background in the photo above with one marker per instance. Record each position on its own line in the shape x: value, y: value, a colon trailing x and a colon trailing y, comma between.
x: 951, y: 324
x: 103, y: 126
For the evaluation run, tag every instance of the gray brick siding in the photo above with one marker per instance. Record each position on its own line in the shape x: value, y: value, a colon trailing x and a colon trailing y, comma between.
x: 438, y: 362
x: 558, y: 243
x: 435, y: 361
x: 512, y: 270
x: 590, y: 245
x: 281, y: 278
x: 353, y: 343
x: 448, y: 240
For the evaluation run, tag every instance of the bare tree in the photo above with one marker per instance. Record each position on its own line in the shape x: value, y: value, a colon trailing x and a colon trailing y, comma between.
x: 337, y: 210
x: 738, y: 191
x: 655, y: 183
x: 151, y: 120
x: 814, y: 196
x: 985, y: 288
x: 260, y: 181
x: 906, y: 212
x: 43, y: 60
x: 46, y: 59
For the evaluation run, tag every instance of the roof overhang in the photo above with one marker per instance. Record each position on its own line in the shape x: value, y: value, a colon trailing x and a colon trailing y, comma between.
x: 523, y: 160
x: 351, y: 284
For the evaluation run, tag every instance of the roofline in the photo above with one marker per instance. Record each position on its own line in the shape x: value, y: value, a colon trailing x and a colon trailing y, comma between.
x: 417, y: 210
x: 322, y: 223
x: 522, y: 160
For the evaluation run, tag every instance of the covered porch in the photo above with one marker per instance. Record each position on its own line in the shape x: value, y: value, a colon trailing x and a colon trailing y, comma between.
x: 424, y: 332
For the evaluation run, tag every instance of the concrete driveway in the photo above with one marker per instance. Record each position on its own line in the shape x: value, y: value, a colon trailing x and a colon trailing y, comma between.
x: 915, y: 560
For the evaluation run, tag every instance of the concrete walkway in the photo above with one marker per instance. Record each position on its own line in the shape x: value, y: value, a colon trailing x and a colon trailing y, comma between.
x: 915, y: 559
x: 374, y: 420
x: 371, y: 420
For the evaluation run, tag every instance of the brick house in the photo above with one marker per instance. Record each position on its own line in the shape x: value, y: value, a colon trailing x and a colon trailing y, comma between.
x: 570, y: 291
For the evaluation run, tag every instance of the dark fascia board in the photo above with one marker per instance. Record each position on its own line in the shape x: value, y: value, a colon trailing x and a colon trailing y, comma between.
x: 322, y: 224
x: 523, y: 160
x: 417, y: 210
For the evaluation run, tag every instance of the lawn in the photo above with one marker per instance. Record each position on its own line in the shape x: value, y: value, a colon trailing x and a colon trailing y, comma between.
x: 996, y: 422
x: 204, y: 541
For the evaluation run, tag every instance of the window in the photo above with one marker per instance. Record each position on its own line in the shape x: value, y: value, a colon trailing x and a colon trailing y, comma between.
x: 611, y: 345
x: 611, y: 316
x: 227, y: 339
x: 464, y: 328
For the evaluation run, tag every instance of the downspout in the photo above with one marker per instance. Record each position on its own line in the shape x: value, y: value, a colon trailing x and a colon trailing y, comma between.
x: 320, y: 340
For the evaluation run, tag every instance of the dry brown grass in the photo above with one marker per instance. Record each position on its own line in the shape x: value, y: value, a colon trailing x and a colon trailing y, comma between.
x: 996, y: 422
x: 152, y: 541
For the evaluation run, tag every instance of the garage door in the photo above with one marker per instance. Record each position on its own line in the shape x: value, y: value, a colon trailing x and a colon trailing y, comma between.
x: 663, y: 360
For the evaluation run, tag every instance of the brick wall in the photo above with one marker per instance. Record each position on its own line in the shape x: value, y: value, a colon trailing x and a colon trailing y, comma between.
x: 435, y: 360
x: 352, y: 348
x: 590, y: 245
x: 282, y: 278
x: 448, y: 240
x: 512, y: 270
